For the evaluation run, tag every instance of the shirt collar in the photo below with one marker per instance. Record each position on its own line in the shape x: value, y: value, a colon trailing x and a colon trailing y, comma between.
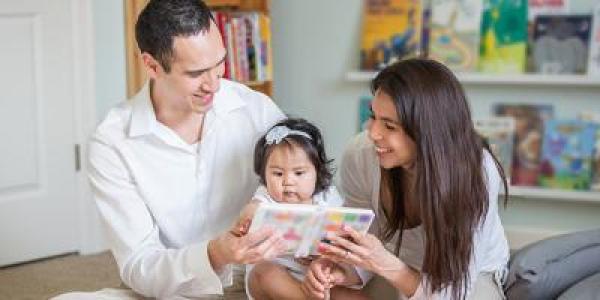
x: 143, y: 118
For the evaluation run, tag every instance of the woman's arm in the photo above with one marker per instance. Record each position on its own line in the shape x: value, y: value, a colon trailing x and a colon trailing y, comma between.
x: 366, y: 251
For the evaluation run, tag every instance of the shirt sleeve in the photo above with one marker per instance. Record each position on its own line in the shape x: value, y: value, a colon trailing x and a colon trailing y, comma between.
x: 357, y: 178
x: 356, y: 174
x: 488, y: 240
x: 145, y: 264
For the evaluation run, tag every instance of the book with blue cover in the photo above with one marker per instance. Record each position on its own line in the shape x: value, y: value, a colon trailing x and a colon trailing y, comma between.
x: 594, y: 117
x: 567, y: 154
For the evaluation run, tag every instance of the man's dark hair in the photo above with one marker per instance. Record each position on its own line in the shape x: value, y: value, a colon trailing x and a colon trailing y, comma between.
x: 163, y: 20
x: 313, y: 147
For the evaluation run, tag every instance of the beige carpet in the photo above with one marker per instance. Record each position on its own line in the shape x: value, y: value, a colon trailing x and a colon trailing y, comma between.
x: 50, y: 277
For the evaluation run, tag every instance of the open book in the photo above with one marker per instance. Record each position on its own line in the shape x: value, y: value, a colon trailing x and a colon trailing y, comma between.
x: 304, y: 226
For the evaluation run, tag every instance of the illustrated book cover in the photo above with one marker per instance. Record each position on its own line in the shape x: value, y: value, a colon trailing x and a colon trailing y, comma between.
x: 304, y: 226
x: 567, y: 154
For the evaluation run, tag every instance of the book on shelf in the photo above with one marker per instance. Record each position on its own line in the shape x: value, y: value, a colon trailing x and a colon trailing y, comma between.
x: 247, y: 38
x: 536, y: 8
x: 455, y: 26
x: 546, y: 7
x: 594, y: 57
x: 529, y: 131
x: 503, y: 36
x: 391, y: 30
x: 594, y: 118
x: 560, y: 44
x: 364, y: 112
x: 567, y: 154
x: 304, y: 226
x: 499, y: 133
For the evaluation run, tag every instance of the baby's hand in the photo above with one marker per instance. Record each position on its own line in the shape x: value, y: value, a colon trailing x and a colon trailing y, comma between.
x: 305, y: 261
x: 245, y: 219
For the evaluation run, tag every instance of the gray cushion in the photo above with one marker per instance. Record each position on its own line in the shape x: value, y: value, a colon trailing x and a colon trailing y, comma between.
x: 543, y: 270
x: 587, y: 289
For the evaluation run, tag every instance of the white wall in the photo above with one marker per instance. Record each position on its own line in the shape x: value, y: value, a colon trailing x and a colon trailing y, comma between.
x: 111, y: 85
x: 316, y: 41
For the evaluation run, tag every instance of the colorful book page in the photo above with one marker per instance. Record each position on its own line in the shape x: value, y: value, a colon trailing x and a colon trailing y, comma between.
x: 304, y: 226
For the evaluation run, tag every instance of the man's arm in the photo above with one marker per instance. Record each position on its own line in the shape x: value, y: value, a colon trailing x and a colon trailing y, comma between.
x: 145, y: 264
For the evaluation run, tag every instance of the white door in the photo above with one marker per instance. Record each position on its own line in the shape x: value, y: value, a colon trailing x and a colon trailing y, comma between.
x: 38, y: 206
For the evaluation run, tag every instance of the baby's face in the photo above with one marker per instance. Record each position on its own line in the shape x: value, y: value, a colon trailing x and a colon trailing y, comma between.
x: 290, y: 175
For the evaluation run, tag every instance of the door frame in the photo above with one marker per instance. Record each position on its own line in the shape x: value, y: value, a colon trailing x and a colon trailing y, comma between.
x: 90, y: 232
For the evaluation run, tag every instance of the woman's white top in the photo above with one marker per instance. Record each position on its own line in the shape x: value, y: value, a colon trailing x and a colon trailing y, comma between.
x: 359, y: 184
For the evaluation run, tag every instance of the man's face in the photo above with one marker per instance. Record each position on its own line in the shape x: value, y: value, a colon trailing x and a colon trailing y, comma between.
x: 197, y: 65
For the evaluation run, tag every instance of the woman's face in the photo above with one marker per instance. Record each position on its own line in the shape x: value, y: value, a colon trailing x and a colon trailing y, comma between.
x: 394, y: 147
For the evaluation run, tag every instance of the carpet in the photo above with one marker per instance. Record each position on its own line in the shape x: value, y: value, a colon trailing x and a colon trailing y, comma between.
x: 54, y: 276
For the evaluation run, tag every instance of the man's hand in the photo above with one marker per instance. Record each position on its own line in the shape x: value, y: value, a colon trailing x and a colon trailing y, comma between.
x: 247, y: 249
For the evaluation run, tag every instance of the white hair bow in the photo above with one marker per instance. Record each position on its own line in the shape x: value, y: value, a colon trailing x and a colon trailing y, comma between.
x: 278, y: 133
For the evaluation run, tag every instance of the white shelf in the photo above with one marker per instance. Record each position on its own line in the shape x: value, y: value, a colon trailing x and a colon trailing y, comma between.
x: 554, y: 194
x: 503, y: 79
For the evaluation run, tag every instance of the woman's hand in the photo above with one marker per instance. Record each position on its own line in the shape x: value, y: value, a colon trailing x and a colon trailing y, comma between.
x: 322, y: 275
x: 362, y: 250
x: 367, y: 252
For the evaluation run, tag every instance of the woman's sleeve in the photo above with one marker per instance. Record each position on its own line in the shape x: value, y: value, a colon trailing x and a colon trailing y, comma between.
x: 356, y: 183
x: 356, y: 173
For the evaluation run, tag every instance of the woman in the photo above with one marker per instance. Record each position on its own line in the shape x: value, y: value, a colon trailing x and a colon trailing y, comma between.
x: 433, y: 184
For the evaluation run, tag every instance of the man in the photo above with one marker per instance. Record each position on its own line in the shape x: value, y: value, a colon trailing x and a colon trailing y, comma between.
x: 172, y: 168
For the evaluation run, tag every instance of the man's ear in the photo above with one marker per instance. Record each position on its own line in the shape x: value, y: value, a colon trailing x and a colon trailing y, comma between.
x: 152, y: 66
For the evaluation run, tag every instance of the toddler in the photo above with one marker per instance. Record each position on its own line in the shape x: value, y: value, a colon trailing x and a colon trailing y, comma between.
x: 293, y: 168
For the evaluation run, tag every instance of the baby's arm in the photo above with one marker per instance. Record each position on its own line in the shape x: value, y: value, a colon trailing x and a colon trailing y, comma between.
x: 243, y: 224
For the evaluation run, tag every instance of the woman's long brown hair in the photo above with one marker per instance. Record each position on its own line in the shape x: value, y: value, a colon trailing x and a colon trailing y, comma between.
x: 450, y: 185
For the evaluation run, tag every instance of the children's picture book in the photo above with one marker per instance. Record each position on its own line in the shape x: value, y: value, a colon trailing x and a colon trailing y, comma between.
x: 594, y: 59
x: 547, y: 7
x: 304, y: 226
x: 499, y: 132
x: 567, y: 154
x: 529, y: 131
x: 594, y: 118
x: 560, y: 44
x: 455, y: 26
x: 541, y: 7
x: 364, y: 112
x: 391, y: 30
x: 503, y: 36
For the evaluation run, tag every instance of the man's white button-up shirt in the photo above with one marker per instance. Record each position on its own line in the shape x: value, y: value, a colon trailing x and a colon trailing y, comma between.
x: 162, y: 200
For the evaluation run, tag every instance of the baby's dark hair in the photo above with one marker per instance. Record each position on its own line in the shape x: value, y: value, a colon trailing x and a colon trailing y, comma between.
x: 313, y: 147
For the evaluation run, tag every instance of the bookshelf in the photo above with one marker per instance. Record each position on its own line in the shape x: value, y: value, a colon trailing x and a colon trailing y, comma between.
x: 135, y: 70
x: 261, y: 6
x: 554, y: 194
x: 504, y: 79
x: 534, y: 81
